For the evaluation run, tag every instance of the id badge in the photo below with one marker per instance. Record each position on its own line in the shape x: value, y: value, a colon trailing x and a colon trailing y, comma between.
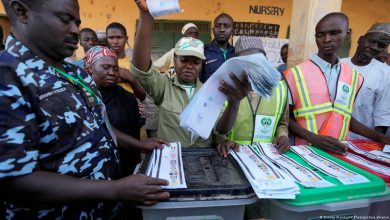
x: 89, y: 98
x: 264, y: 127
x: 343, y: 93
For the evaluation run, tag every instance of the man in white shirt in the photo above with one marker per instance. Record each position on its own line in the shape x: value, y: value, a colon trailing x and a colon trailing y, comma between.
x: 372, y: 105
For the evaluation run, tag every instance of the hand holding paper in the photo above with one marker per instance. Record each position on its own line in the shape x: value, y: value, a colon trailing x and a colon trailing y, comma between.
x: 159, y: 8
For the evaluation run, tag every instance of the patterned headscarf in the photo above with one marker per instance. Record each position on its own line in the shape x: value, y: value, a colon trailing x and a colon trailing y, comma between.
x: 94, y: 54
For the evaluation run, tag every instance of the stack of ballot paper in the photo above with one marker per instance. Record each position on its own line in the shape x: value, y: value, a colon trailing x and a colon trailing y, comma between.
x: 328, y: 167
x: 299, y: 173
x: 167, y: 164
x: 372, y: 154
x: 376, y: 155
x: 267, y: 180
x: 201, y: 114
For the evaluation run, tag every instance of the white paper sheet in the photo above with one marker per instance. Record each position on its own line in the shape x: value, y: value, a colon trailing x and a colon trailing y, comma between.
x: 301, y: 174
x: 167, y: 164
x: 373, y: 154
x: 266, y: 179
x: 369, y: 164
x: 201, y: 114
x: 328, y: 167
x: 159, y: 8
x: 386, y: 149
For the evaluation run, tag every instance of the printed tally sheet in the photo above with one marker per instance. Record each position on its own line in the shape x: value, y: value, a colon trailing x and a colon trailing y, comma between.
x: 372, y: 154
x: 266, y: 179
x: 167, y: 164
x: 328, y: 167
x: 201, y: 114
x: 301, y: 174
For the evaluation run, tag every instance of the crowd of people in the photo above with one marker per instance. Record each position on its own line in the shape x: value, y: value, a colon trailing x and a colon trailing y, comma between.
x: 71, y: 131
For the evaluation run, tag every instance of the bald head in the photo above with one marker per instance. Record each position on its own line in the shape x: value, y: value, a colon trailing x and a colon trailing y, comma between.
x: 342, y: 18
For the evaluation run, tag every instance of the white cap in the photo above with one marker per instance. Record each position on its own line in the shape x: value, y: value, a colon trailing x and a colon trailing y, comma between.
x: 187, y: 26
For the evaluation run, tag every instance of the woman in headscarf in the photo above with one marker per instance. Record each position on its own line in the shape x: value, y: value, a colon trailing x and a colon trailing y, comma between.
x: 122, y: 108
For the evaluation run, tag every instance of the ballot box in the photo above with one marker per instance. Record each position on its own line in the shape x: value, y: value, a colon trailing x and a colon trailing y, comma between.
x: 335, y: 202
x: 216, y: 189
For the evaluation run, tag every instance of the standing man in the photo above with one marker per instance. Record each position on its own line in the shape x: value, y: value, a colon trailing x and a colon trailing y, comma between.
x: 323, y: 92
x: 88, y: 39
x: 165, y: 62
x: 372, y: 105
x: 260, y: 119
x: 219, y: 50
x: 58, y: 157
x: 117, y: 39
x: 283, y: 54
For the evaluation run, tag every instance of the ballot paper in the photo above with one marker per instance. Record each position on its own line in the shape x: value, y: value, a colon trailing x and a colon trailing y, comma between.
x: 266, y: 179
x: 373, y: 154
x: 369, y: 164
x: 328, y: 167
x: 301, y: 174
x: 386, y: 149
x: 159, y: 8
x: 201, y: 114
x: 167, y: 164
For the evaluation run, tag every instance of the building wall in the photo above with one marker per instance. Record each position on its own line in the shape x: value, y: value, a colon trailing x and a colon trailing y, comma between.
x: 96, y: 14
x: 362, y: 14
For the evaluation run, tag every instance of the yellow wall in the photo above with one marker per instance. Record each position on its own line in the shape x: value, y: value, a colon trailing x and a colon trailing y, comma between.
x: 362, y: 14
x: 96, y: 14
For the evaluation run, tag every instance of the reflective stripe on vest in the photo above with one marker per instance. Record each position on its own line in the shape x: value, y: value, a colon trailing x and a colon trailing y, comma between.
x: 240, y: 130
x: 308, y: 111
x: 346, y: 111
x: 307, y: 107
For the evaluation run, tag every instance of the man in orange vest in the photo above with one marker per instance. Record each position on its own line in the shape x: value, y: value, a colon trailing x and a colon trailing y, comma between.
x: 322, y: 92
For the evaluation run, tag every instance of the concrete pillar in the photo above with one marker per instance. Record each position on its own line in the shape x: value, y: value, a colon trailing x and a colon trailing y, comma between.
x: 305, y: 15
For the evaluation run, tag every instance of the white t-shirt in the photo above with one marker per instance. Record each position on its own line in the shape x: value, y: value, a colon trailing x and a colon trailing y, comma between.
x: 372, y: 104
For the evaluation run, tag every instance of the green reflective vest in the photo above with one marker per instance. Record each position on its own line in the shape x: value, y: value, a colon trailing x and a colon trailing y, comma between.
x: 243, y: 131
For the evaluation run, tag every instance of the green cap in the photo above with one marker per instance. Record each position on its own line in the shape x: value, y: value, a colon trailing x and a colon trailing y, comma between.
x: 188, y: 46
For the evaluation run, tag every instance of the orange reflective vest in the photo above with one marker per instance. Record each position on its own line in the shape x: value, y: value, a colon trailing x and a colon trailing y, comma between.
x: 312, y: 106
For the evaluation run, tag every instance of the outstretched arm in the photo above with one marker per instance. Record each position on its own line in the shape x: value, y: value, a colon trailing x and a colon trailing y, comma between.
x: 58, y: 188
x: 372, y: 134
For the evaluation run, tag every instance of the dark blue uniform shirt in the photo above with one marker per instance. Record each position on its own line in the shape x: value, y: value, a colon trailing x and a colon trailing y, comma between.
x: 214, y: 59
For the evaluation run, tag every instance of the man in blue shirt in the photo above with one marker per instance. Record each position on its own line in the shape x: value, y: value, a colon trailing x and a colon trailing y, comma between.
x: 219, y: 50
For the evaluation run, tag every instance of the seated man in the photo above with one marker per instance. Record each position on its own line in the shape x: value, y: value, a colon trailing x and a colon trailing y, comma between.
x: 323, y: 92
x: 173, y: 95
x: 260, y: 119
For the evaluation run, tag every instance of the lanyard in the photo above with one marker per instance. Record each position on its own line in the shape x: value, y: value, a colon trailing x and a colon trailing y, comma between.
x: 76, y: 81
